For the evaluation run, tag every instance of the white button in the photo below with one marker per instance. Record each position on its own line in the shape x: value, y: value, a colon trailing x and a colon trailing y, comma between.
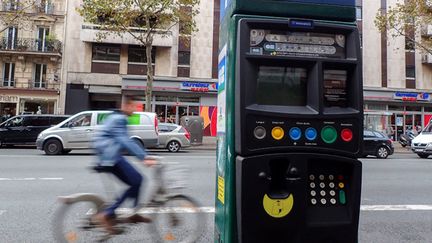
x: 323, y: 193
x: 331, y: 177
x: 321, y: 177
x: 312, y: 185
x: 313, y: 201
x: 332, y: 193
x: 331, y: 185
x: 333, y: 201
x: 311, y: 177
x: 313, y: 193
x: 322, y: 185
x: 323, y: 201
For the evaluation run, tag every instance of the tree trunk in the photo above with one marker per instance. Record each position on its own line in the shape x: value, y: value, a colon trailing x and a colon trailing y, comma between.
x: 149, y: 88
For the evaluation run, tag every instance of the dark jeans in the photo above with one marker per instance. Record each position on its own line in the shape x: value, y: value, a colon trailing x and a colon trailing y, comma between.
x: 130, y: 176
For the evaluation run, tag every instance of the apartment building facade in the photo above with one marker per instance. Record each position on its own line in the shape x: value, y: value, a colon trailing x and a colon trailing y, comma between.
x: 99, y: 73
x: 31, y: 58
x: 397, y: 76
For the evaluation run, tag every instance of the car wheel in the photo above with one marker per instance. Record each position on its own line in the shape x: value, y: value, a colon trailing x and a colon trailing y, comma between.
x: 53, y: 147
x: 66, y: 151
x: 382, y: 152
x: 423, y: 156
x: 173, y: 146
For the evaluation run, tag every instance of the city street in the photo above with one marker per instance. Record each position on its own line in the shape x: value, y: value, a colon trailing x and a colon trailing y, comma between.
x: 396, y: 196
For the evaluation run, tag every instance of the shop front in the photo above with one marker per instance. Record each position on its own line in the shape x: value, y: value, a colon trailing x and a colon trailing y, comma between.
x: 13, y: 102
x: 172, y: 99
x: 396, y: 112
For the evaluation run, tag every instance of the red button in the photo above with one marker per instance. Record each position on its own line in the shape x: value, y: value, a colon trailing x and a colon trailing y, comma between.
x: 347, y: 135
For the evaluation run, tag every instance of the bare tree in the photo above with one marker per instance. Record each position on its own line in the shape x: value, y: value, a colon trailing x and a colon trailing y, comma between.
x: 141, y: 19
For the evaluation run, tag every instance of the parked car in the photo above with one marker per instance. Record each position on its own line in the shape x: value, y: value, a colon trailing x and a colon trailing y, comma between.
x: 422, y: 144
x: 173, y: 137
x: 24, y: 129
x: 377, y: 144
x: 77, y: 131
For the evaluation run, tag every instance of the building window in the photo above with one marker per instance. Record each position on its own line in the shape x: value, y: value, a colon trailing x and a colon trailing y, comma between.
x: 410, y: 72
x: 107, y: 53
x: 184, y: 58
x: 40, y: 76
x: 10, y: 5
x: 409, y: 44
x: 11, y: 37
x: 45, y: 6
x: 9, y: 74
x: 43, y: 33
x: 138, y: 54
x: 106, y: 59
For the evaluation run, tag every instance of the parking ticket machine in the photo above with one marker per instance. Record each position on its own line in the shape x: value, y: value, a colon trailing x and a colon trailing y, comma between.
x: 290, y: 125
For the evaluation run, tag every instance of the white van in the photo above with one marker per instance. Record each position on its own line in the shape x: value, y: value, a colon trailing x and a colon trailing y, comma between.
x: 422, y: 144
x: 77, y: 132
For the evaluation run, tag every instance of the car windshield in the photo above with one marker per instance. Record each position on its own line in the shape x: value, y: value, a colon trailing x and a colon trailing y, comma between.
x: 428, y: 128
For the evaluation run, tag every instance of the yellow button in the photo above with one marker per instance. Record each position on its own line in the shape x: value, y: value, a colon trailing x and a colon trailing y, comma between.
x: 277, y: 133
x: 341, y: 185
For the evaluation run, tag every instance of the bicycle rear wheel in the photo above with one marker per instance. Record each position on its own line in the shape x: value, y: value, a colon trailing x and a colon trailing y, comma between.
x: 73, y: 223
x: 178, y: 220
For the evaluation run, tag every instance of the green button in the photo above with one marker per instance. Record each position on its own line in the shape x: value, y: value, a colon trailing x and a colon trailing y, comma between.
x: 342, y: 198
x: 329, y: 134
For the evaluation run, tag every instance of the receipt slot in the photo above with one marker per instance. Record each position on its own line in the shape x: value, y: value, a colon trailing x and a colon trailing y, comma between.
x: 290, y: 124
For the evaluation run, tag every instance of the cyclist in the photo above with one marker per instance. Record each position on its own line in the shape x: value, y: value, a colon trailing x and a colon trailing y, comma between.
x: 110, y: 142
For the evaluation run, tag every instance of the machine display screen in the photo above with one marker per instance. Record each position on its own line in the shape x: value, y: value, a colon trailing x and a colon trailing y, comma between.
x: 284, y: 86
x: 289, y: 43
x: 335, y: 88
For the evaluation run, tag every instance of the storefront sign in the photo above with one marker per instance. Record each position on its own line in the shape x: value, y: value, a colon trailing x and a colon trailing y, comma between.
x: 406, y: 96
x: 199, y: 87
x: 8, y: 98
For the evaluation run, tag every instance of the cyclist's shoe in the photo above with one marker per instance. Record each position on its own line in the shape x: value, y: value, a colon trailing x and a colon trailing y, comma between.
x: 108, y: 223
x: 136, y: 218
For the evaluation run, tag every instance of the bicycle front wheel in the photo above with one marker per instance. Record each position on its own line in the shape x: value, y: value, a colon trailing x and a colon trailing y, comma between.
x: 73, y: 222
x: 178, y: 220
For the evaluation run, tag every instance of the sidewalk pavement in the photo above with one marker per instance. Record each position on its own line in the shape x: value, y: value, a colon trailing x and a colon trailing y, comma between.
x: 399, y: 149
x: 209, y: 143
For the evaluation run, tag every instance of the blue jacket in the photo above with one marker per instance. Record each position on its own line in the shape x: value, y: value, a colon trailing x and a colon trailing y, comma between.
x: 112, y: 139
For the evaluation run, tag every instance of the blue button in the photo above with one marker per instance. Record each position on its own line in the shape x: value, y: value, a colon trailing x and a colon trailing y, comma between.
x: 295, y: 133
x: 311, y: 133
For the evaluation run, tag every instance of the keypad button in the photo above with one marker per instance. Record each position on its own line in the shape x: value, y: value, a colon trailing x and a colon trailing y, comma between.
x: 323, y: 201
x: 331, y: 177
x: 321, y: 177
x: 322, y: 184
x: 313, y: 193
x: 322, y: 193
x: 311, y: 177
x: 312, y: 185
x: 341, y: 185
x: 332, y: 193
x: 331, y: 185
x: 260, y: 132
x: 333, y: 201
x: 313, y: 201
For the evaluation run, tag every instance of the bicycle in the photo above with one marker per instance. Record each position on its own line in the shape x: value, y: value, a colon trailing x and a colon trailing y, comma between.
x: 161, y: 204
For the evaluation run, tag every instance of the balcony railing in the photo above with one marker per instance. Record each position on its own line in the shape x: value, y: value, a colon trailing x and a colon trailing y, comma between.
x: 7, y: 83
x: 31, y: 84
x: 30, y: 45
x: 45, y: 8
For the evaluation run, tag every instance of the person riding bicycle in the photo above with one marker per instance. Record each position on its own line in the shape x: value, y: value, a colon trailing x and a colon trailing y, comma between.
x: 110, y: 142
